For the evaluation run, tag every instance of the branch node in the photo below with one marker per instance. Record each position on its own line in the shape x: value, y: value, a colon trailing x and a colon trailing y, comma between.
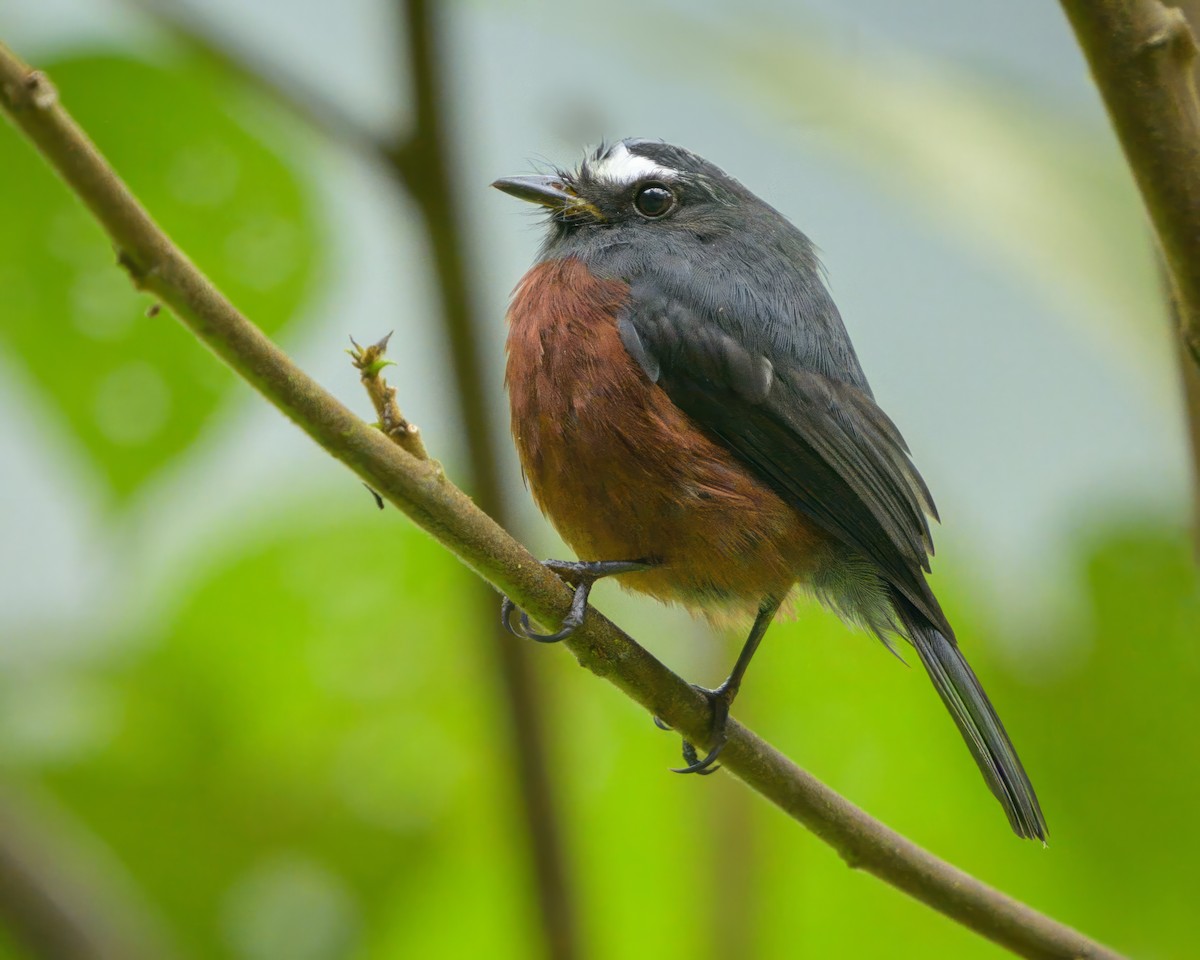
x: 36, y: 91
x: 370, y: 362
x: 1173, y: 34
x: 399, y: 153
x: 139, y: 273
x: 1191, y: 340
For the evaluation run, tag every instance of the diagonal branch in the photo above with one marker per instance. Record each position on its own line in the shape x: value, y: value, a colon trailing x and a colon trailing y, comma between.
x: 421, y: 490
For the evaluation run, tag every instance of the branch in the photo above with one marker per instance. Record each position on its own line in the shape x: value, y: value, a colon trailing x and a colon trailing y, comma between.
x: 419, y: 489
x: 1191, y: 405
x: 1190, y: 377
x: 1190, y: 372
x: 1141, y: 54
x: 426, y: 168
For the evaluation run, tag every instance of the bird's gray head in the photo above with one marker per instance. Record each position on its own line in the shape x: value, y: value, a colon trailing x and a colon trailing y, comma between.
x: 646, y: 187
x: 679, y: 230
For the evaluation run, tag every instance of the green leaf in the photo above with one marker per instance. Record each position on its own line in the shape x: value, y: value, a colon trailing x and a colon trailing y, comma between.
x: 218, y: 174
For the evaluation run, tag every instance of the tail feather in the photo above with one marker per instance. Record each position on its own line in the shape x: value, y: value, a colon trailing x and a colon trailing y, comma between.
x: 977, y: 721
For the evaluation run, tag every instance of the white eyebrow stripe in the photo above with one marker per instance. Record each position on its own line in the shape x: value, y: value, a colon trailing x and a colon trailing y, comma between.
x: 621, y: 166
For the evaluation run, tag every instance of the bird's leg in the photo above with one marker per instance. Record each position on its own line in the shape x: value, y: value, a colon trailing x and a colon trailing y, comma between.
x: 583, y: 574
x: 721, y: 698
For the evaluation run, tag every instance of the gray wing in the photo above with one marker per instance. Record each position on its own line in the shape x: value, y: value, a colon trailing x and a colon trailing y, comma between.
x: 822, y: 444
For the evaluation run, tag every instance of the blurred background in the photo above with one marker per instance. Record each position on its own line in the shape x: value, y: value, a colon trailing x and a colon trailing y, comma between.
x: 244, y: 714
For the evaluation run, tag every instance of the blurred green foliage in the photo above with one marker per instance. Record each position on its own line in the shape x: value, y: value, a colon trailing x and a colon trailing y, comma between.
x: 301, y: 754
x: 131, y: 388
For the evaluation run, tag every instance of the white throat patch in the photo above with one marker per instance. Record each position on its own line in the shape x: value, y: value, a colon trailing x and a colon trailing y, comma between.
x: 622, y: 167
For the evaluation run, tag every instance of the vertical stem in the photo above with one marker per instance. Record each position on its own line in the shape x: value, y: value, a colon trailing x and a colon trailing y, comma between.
x: 1191, y: 398
x: 1142, y: 54
x: 425, y: 163
x: 734, y: 868
x: 1190, y: 385
x: 49, y: 909
x: 1187, y: 364
x: 734, y: 858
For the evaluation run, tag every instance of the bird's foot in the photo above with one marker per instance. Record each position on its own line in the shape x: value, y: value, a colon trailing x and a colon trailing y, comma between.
x: 718, y: 701
x: 524, y: 629
x: 702, y: 768
x: 583, y: 574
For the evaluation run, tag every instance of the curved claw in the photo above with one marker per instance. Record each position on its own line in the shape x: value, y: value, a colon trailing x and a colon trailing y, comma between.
x: 719, y: 702
x: 582, y: 574
x: 663, y: 725
x: 569, y: 626
x: 506, y: 611
x: 523, y: 628
x: 704, y: 767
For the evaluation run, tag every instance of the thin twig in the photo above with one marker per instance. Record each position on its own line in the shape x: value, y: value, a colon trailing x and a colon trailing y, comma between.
x: 417, y: 488
x: 370, y: 363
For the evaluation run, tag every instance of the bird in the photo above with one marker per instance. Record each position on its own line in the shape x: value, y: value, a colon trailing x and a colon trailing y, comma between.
x: 691, y: 416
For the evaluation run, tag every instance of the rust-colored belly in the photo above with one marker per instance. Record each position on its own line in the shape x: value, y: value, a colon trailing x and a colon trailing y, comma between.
x: 621, y: 472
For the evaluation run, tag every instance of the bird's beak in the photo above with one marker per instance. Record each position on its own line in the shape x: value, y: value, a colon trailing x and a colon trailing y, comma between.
x: 547, y: 191
x: 554, y: 194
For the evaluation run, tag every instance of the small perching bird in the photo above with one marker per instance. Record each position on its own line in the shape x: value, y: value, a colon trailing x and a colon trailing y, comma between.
x: 690, y: 414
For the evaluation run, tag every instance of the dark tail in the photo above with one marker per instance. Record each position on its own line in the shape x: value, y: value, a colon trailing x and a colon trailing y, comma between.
x: 960, y: 691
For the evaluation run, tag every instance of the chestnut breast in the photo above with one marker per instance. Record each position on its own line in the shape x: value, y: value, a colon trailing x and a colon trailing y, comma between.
x: 624, y: 474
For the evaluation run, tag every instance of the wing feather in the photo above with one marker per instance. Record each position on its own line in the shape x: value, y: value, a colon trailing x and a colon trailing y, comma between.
x: 822, y: 444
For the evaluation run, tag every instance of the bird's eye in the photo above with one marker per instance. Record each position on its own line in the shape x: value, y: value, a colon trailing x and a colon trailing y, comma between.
x: 653, y: 200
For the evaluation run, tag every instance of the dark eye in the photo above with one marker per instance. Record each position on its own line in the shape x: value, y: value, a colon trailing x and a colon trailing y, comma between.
x: 653, y: 200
